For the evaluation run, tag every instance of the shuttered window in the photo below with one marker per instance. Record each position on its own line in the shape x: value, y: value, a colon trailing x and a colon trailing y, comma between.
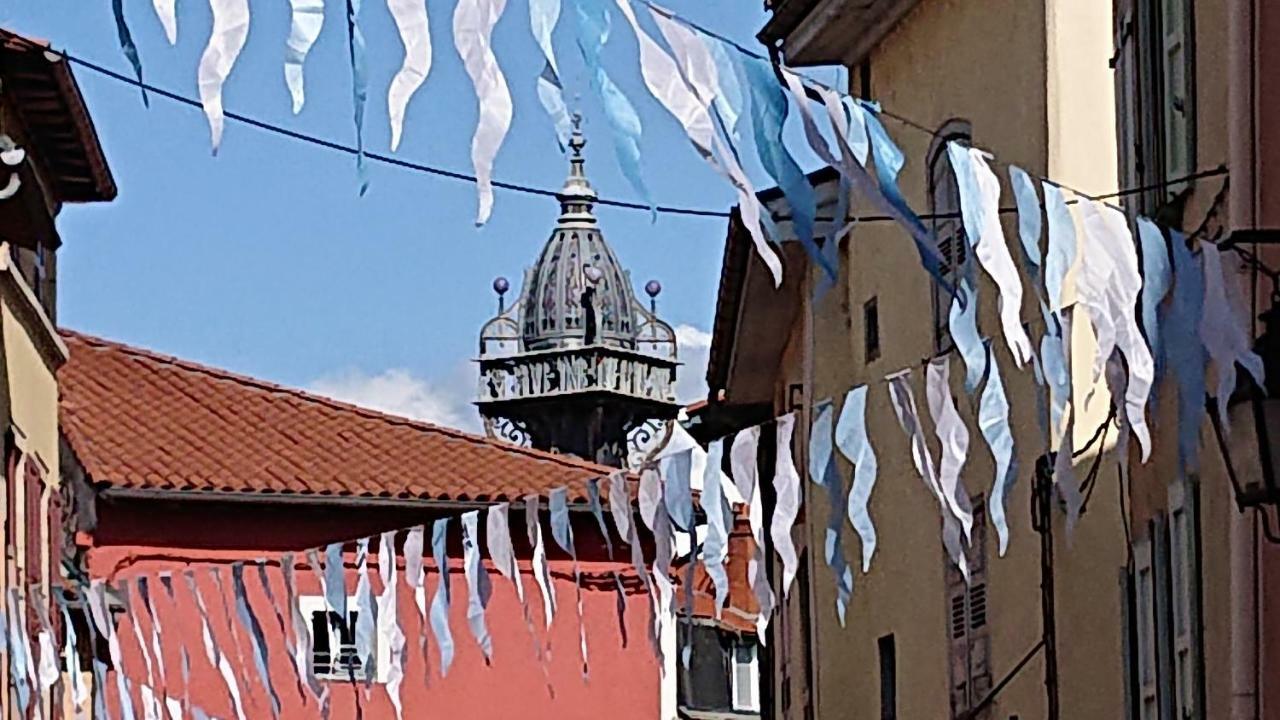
x: 968, y: 621
x: 1145, y: 628
x: 1184, y: 590
x: 948, y: 230
x: 333, y: 645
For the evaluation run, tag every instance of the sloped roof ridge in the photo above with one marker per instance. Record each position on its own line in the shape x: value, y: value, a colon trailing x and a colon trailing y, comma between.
x: 266, y: 386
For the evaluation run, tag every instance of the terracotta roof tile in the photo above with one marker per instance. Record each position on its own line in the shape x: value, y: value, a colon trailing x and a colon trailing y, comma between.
x: 137, y: 419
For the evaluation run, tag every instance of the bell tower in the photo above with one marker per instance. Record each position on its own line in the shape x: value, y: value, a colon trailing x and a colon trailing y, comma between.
x: 576, y: 364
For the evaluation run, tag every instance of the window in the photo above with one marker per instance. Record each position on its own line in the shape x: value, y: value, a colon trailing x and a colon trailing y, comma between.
x: 871, y: 330
x: 746, y: 675
x: 1184, y: 599
x: 1144, y: 606
x: 948, y: 230
x: 968, y: 621
x: 888, y: 677
x: 333, y: 645
x: 1155, y: 91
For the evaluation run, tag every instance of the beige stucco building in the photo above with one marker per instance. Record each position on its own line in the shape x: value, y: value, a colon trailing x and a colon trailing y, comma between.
x: 1143, y: 588
x: 43, y: 114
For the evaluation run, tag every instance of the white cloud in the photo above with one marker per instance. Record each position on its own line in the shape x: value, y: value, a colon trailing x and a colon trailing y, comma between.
x: 693, y: 346
x: 399, y: 392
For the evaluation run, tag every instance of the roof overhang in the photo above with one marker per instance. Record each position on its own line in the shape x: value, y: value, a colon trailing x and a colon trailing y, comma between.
x: 49, y: 102
x: 19, y: 297
x: 826, y: 32
x: 753, y: 319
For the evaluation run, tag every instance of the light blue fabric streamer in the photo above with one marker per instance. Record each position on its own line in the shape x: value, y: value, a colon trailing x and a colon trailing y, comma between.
x: 677, y: 491
x: 1184, y: 351
x: 127, y: 45
x: 257, y: 640
x: 551, y: 95
x: 1062, y: 244
x: 18, y: 653
x: 1030, y: 227
x: 851, y: 438
x: 479, y: 587
x: 359, y: 87
x: 769, y: 115
x: 963, y: 315
x: 715, y: 548
x: 366, y: 630
x: 889, y: 160
x: 824, y: 471
x: 1054, y: 361
x: 593, y: 22
x: 730, y: 103
x: 993, y: 421
x: 562, y: 531
x: 1157, y: 276
x: 440, y: 601
x: 335, y: 582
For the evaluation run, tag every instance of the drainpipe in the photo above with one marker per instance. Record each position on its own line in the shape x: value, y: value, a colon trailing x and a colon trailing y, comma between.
x: 1244, y: 639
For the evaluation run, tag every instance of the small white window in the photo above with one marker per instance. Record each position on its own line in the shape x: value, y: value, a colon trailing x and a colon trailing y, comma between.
x: 746, y: 676
x: 1144, y: 602
x: 333, y: 648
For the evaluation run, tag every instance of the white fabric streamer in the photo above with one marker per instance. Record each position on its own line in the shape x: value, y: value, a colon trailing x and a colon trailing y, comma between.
x: 473, y: 22
x: 1108, y: 285
x: 650, y: 497
x: 904, y: 407
x: 306, y: 19
x: 390, y: 635
x: 415, y: 576
x: 992, y: 251
x: 230, y: 30
x: 786, y: 484
x: 102, y: 619
x: 497, y: 525
x: 715, y: 550
x: 166, y: 10
x: 620, y: 504
x: 151, y: 708
x: 1223, y: 330
x: 478, y: 588
x: 541, y: 573
x: 690, y: 102
x: 415, y: 34
x: 757, y: 576
x: 851, y: 438
x: 216, y: 658
x: 953, y: 437
x: 743, y: 464
x: 366, y: 617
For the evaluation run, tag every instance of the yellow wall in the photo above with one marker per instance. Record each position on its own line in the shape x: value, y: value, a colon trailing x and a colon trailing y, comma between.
x: 1032, y: 79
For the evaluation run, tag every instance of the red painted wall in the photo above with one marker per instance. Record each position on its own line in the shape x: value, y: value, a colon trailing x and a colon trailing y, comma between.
x: 147, y: 537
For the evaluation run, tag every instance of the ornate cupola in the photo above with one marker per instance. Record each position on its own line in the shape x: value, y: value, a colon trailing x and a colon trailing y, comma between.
x: 576, y: 364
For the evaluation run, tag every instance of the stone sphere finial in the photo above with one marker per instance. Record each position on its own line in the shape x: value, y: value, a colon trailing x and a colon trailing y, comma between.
x: 501, y: 285
x: 652, y: 288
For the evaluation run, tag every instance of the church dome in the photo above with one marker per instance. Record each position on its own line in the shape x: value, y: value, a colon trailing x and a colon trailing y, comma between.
x: 576, y: 294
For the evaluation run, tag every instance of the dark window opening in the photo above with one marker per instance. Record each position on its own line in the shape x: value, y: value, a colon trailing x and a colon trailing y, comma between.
x: 871, y: 330
x: 888, y: 677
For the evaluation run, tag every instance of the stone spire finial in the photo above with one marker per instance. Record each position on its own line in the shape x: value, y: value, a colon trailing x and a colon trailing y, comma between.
x: 577, y: 196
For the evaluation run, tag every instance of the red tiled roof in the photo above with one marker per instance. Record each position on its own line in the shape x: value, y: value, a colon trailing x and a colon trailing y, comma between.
x: 139, y: 420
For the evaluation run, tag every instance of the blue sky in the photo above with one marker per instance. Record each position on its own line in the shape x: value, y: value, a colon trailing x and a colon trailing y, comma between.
x: 264, y: 259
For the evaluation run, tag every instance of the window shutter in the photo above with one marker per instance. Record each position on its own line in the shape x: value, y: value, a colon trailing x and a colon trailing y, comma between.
x: 321, y: 654
x: 1185, y: 579
x: 1163, y: 615
x: 1178, y: 101
x: 1144, y: 615
x: 1128, y: 636
x: 1125, y: 66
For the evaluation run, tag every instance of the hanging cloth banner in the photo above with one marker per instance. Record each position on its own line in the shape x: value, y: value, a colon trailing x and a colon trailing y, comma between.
x: 543, y: 16
x: 265, y: 583
x: 597, y: 511
x: 904, y: 407
x: 151, y: 707
x: 101, y: 613
x: 677, y: 492
x: 415, y: 34
x: 70, y: 653
x: 731, y: 102
x: 479, y: 589
x: 770, y: 108
x: 335, y: 584
x: 257, y: 639
x: 1062, y: 245
x: 1185, y: 353
x: 359, y: 87
x: 20, y: 651
x: 953, y: 439
x: 650, y: 495
x: 541, y: 572
x: 963, y: 314
x: 166, y: 11
x: 143, y: 586
x: 690, y: 103
x: 1157, y: 277
x: 366, y: 615
x: 230, y: 622
x: 786, y: 485
x: 715, y: 549
x: 211, y: 651
x: 47, y: 670
x: 127, y: 45
x: 306, y: 20
x: 440, y: 601
x: 298, y: 644
x: 620, y: 504
x: 473, y: 22
x: 498, y: 539
x: 1224, y: 332
x: 592, y: 31
x: 851, y: 438
x: 226, y: 40
x: 1030, y: 225
x: 415, y: 575
x: 993, y: 254
x: 993, y: 423
x: 1109, y: 284
x: 824, y: 472
x: 390, y: 635
x: 184, y: 661
x: 664, y: 614
x: 743, y: 463
x: 1064, y: 472
x: 562, y: 531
